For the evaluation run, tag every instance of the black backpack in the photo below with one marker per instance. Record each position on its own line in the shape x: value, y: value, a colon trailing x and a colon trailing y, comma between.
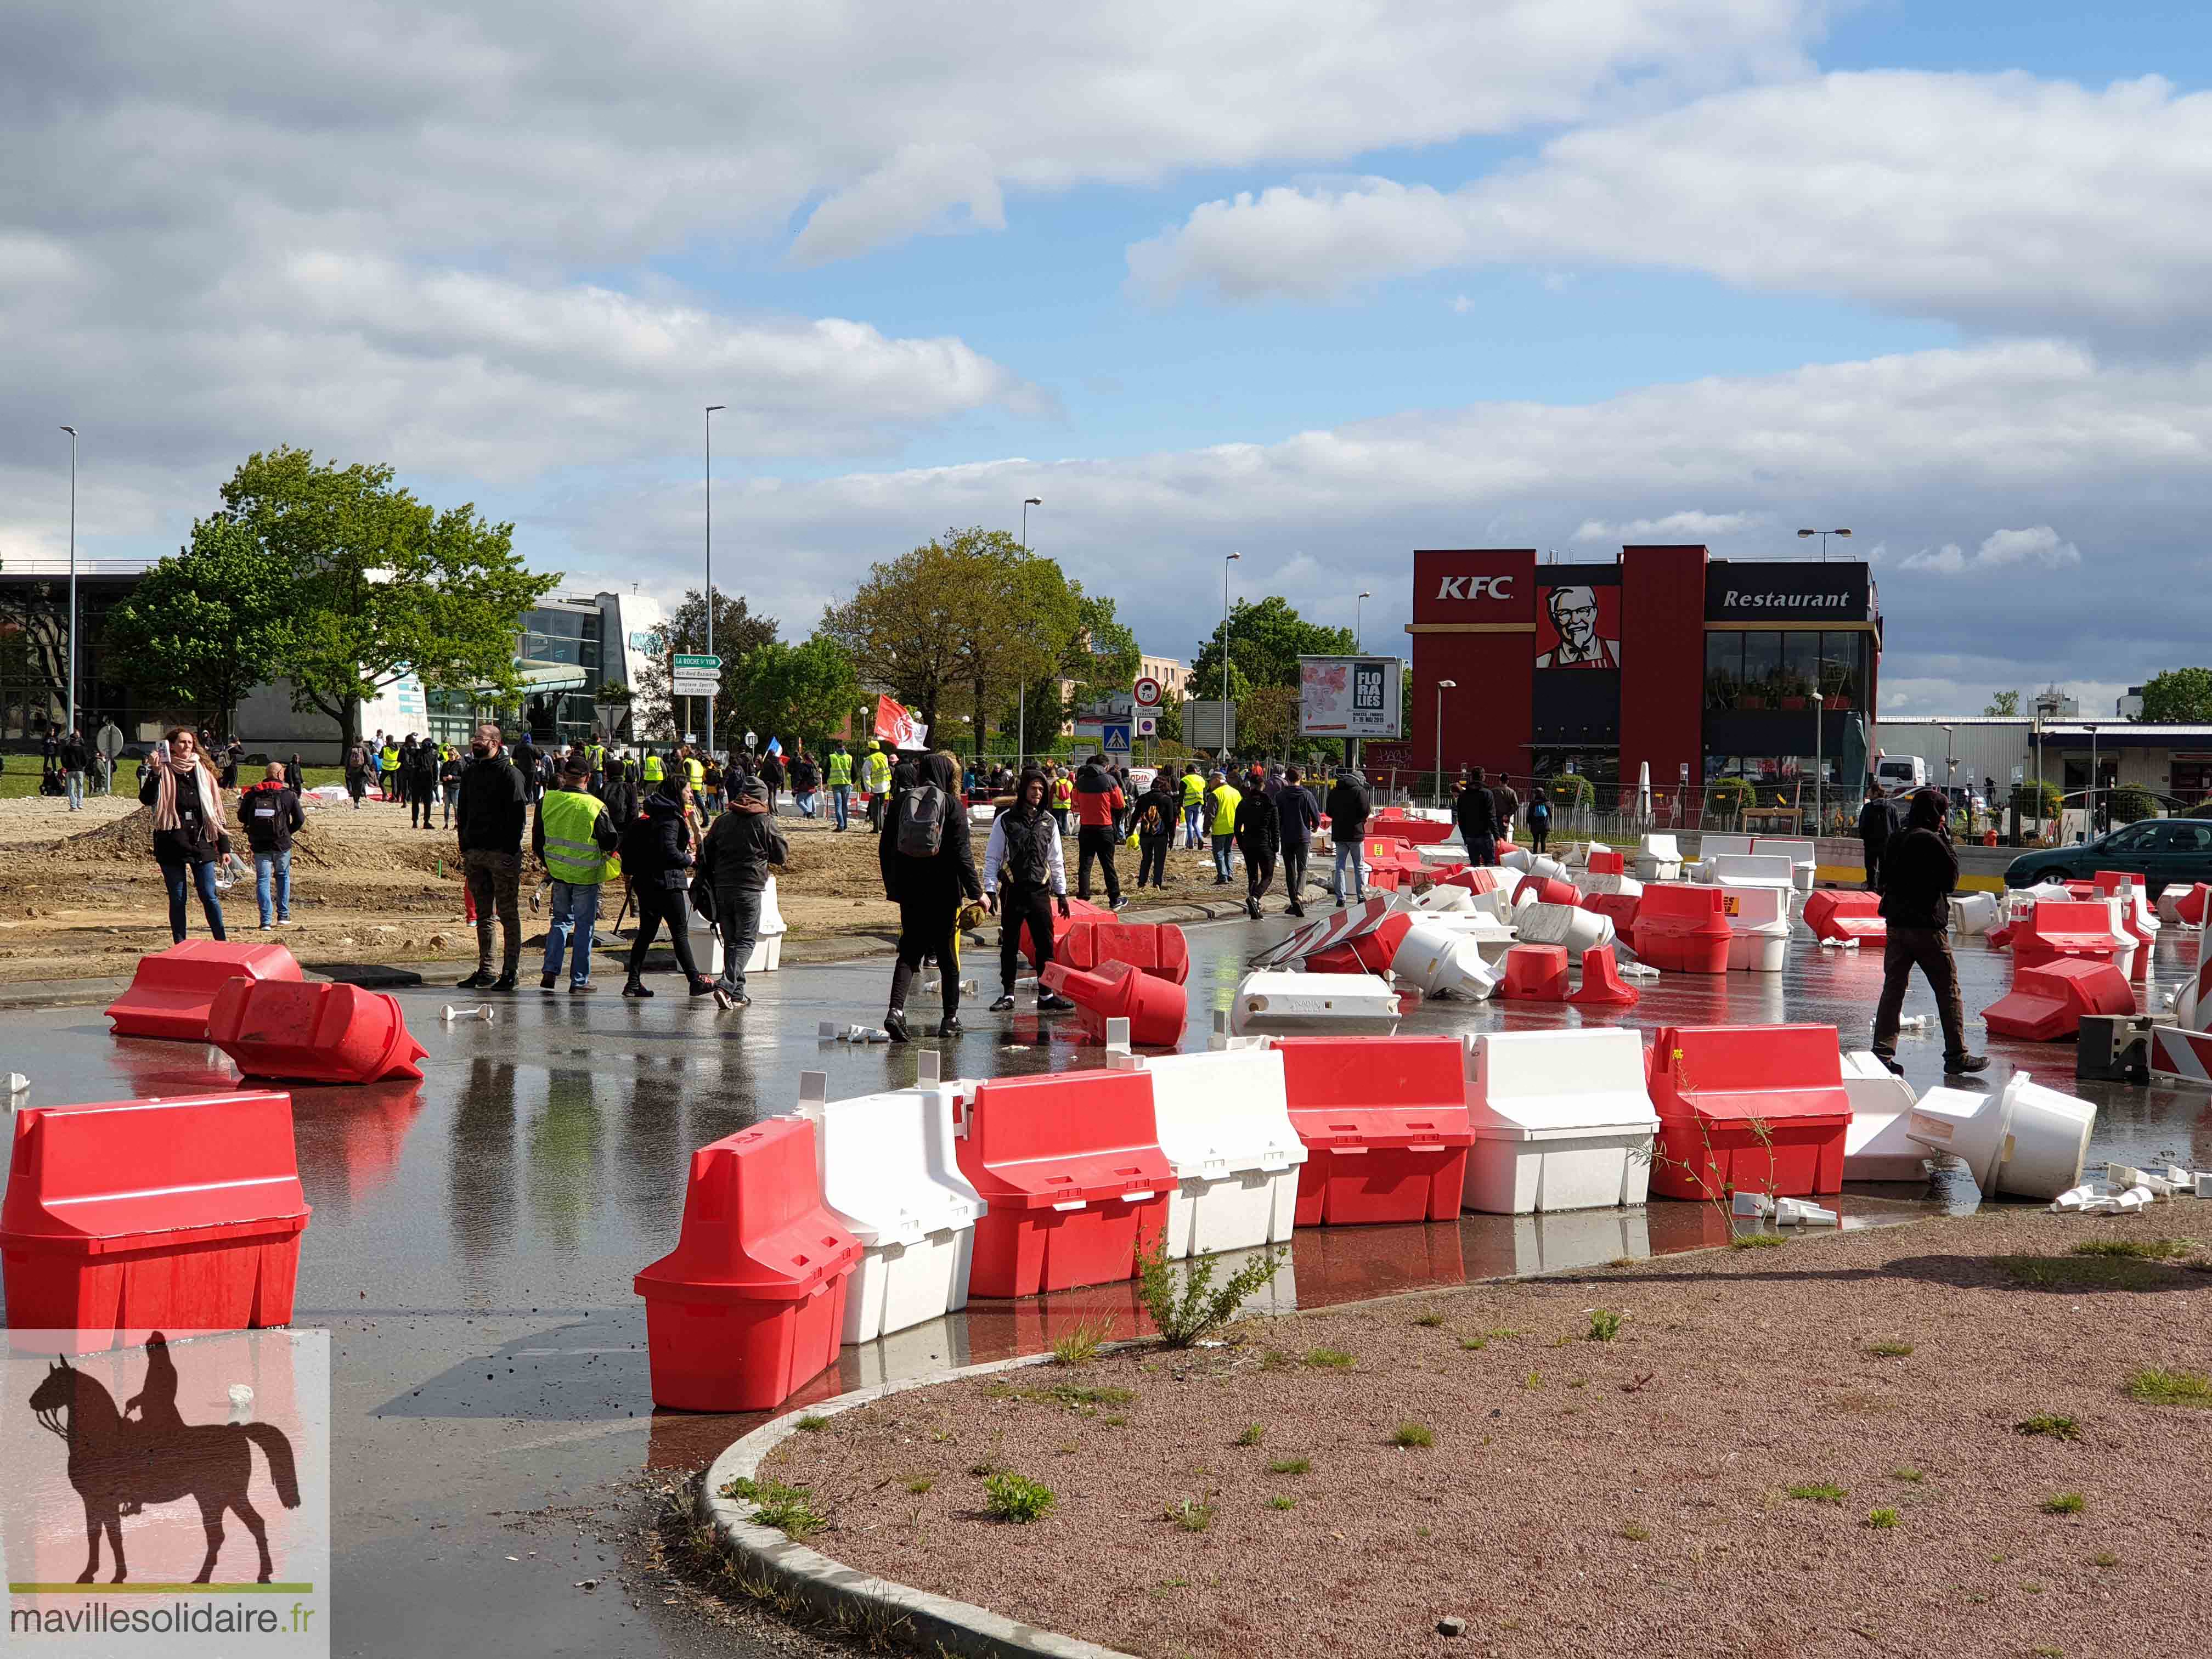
x: 921, y: 822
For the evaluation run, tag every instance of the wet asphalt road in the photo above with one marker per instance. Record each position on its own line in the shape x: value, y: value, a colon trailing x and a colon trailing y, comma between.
x: 474, y: 1236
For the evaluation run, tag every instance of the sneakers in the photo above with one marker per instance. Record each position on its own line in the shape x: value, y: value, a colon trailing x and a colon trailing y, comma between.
x: 726, y: 998
x: 1890, y: 1064
x: 895, y: 1022
x: 636, y: 989
x: 949, y: 1026
x: 1296, y: 909
x: 702, y: 988
x: 479, y: 980
x: 547, y: 981
x: 582, y: 987
x: 1052, y: 1003
x: 1004, y: 1002
x: 504, y: 982
x: 1252, y: 907
x: 1121, y: 903
x: 1965, y: 1065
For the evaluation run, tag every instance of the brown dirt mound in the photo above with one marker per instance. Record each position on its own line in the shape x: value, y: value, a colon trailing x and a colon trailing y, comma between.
x: 378, y: 845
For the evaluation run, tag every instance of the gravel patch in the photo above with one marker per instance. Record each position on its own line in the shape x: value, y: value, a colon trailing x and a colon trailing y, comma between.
x: 1585, y: 1497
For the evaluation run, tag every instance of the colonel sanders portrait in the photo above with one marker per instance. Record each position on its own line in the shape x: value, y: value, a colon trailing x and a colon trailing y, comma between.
x: 1574, y: 622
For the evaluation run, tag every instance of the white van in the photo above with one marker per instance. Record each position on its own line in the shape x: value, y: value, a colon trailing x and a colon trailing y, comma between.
x: 1895, y: 772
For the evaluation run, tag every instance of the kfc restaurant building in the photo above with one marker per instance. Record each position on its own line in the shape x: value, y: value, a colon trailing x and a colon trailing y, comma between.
x: 1705, y: 668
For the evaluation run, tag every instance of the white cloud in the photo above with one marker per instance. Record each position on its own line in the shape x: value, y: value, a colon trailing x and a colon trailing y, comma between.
x: 1997, y: 200
x: 1690, y: 526
x: 2038, y: 546
x: 1947, y: 560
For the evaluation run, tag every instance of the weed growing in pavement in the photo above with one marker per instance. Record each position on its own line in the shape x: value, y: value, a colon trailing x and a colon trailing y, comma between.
x: 1533, y: 1380
x: 1889, y: 1350
x: 1881, y: 1520
x: 2104, y: 1559
x: 2153, y: 1385
x: 1636, y: 1534
x: 2088, y: 1273
x: 789, y: 1510
x: 1272, y: 1359
x: 983, y: 1471
x: 2055, y: 1428
x: 2031, y: 1587
x: 1280, y: 1502
x: 1068, y: 1448
x: 810, y: 1424
x: 2065, y: 1503
x: 1474, y: 1344
x: 1622, y: 1261
x: 1080, y: 1343
x: 1075, y: 1396
x: 1604, y: 1326
x: 1016, y: 1498
x: 1911, y: 1474
x: 1824, y: 1493
x: 1183, y: 1302
x: 1757, y: 1242
x: 1329, y: 1359
x: 1289, y: 1466
x: 1412, y: 1436
x: 1253, y: 1435
x: 1429, y: 1320
x: 1191, y: 1514
x: 2141, y: 1249
x: 1116, y: 1421
x: 940, y: 1436
x: 920, y: 1484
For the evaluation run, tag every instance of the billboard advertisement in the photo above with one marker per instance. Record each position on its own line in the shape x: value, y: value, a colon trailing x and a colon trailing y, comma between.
x: 1579, y: 627
x: 1349, y: 697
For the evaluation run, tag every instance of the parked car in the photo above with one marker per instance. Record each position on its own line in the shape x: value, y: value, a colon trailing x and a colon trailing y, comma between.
x: 2163, y: 852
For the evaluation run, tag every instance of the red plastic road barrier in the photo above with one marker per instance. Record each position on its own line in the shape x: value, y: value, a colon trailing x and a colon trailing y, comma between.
x: 1156, y: 947
x: 2046, y: 1003
x: 313, y: 1033
x: 1384, y: 1122
x: 750, y: 1303
x: 2109, y: 882
x: 2059, y: 928
x: 1534, y: 973
x: 1370, y: 952
x: 1078, y: 911
x: 1748, y: 1108
x: 1157, y: 1009
x: 1602, y: 985
x: 1071, y: 1165
x: 1620, y: 909
x: 1476, y: 878
x: 171, y: 993
x: 1420, y: 831
x: 1607, y: 861
x: 1682, y: 928
x: 1548, y: 889
x: 2190, y: 907
x: 1392, y: 853
x: 1832, y: 913
x: 2000, y: 939
x: 138, y: 1215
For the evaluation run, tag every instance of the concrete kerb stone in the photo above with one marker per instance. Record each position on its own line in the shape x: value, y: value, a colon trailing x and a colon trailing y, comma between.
x: 844, y: 1594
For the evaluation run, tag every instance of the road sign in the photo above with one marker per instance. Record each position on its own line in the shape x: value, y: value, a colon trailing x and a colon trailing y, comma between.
x: 1204, y: 724
x: 1146, y: 693
x: 1114, y: 736
x: 695, y: 685
x: 1148, y: 725
x: 704, y: 664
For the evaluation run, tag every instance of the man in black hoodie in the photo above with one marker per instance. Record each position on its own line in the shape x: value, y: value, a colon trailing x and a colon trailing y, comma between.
x: 1259, y: 833
x: 1919, y: 871
x: 928, y: 864
x: 1474, y: 809
x: 1297, y: 819
x: 733, y: 864
x: 423, y: 785
x: 1156, y: 813
x: 1024, y: 845
x: 1349, y: 804
x: 656, y: 855
x: 489, y: 820
x: 1877, y: 823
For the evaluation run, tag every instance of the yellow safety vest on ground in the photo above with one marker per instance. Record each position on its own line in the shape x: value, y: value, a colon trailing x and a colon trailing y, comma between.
x: 652, y: 771
x: 571, y: 854
x: 840, y: 770
x: 1193, y: 789
x: 1224, y: 809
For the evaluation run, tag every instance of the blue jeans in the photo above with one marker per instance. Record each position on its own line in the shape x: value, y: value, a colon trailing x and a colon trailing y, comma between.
x: 805, y: 802
x: 1352, y: 852
x: 575, y: 909
x: 840, y: 802
x: 278, y: 865
x: 1224, y: 848
x: 75, y: 780
x: 1194, y: 824
x: 176, y: 877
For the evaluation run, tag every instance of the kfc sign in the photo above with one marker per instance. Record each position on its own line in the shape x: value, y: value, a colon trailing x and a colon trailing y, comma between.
x: 1475, y: 587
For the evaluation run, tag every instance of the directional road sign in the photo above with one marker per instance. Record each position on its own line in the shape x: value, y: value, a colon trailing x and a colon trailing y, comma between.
x: 695, y: 685
x: 708, y: 665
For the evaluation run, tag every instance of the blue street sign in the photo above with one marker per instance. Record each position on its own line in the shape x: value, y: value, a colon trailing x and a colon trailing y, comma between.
x: 1114, y: 736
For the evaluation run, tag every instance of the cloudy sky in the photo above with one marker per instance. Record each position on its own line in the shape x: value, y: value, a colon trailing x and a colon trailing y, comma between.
x: 1321, y: 281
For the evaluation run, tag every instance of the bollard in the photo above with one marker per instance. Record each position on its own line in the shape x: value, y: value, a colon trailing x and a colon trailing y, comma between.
x: 17, y: 1084
x: 484, y: 1012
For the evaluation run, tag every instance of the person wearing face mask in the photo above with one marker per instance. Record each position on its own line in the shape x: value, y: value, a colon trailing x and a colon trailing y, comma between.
x: 1025, y: 846
x: 1919, y: 869
x: 491, y: 816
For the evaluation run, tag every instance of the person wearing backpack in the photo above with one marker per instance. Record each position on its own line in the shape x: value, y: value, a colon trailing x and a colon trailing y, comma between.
x: 734, y: 866
x: 1539, y: 816
x: 1098, y: 805
x: 1024, y: 846
x: 928, y: 865
x: 358, y: 765
x: 1157, y: 813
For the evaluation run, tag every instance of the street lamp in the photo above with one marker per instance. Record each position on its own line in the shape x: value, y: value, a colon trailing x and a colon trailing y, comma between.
x: 1823, y: 535
x: 1358, y: 624
x: 72, y: 628
x: 2090, y: 727
x: 1226, y: 564
x: 1033, y: 501
x: 1443, y: 686
x: 711, y: 410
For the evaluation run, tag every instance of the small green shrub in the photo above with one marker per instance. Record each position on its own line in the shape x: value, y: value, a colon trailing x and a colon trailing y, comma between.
x: 1412, y: 1435
x: 1182, y: 1300
x: 1280, y: 1502
x: 1474, y: 1344
x: 920, y: 1484
x: 1016, y: 1499
x: 1289, y: 1466
x: 1429, y: 1320
x: 811, y: 1424
x: 1079, y: 1344
x: 2153, y: 1385
x: 789, y: 1510
x: 1191, y: 1514
x: 1329, y: 1359
x: 1272, y: 1359
x: 1253, y: 1435
x: 2053, y: 1428
x: 1911, y: 1474
x: 2065, y: 1503
x: 2141, y: 1249
x: 1889, y: 1350
x: 1604, y: 1326
x: 1634, y: 1533
x: 1823, y: 1492
x: 1757, y: 1242
x: 2104, y: 1559
x: 1881, y: 1520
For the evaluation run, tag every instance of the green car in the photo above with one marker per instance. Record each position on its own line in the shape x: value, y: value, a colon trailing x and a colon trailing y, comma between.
x: 2163, y: 852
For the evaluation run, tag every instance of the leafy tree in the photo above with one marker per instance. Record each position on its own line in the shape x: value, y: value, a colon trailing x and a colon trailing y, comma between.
x: 201, y: 629
x: 1266, y: 637
x: 2131, y: 801
x: 1102, y: 656
x: 2180, y: 695
x: 383, y: 585
x: 1267, y: 719
x: 1028, y: 621
x: 806, y: 691
x: 2003, y: 702
x: 737, y: 631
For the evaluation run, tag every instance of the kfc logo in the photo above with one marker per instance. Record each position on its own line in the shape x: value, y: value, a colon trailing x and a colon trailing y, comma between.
x: 1476, y: 588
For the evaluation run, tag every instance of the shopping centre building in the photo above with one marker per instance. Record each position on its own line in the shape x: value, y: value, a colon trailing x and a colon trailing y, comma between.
x: 1704, y: 668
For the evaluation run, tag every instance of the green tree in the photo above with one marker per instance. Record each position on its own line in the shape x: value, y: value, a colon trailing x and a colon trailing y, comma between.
x: 1266, y: 719
x: 1102, y: 656
x: 1266, y: 637
x: 383, y: 585
x: 738, y: 630
x: 201, y: 628
x: 805, y: 690
x: 2180, y: 695
x: 2003, y: 702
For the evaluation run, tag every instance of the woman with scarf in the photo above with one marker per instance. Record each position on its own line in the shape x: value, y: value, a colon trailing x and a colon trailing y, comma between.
x: 188, y: 833
x: 929, y: 869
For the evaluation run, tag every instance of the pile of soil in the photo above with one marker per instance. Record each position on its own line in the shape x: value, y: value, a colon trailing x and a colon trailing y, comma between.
x: 1811, y: 1449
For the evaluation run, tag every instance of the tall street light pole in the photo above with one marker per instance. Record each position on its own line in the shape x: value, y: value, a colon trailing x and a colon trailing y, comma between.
x: 1022, y: 693
x: 1360, y: 621
x: 1443, y: 686
x: 2092, y: 728
x: 1027, y: 503
x: 1823, y: 535
x: 1226, y: 564
x: 72, y: 545
x: 711, y: 409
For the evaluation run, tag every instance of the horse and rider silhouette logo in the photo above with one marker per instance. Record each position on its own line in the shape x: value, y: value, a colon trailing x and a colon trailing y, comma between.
x: 120, y: 1463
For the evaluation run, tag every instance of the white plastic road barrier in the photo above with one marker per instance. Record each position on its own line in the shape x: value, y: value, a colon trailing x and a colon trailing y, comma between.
x: 1314, y: 1004
x: 1219, y: 1041
x: 1547, y: 867
x: 2122, y: 1175
x: 1515, y: 858
x: 1562, y: 1121
x: 1712, y: 847
x: 1750, y: 1204
x: 1225, y: 1124
x: 1569, y: 925
x: 2073, y: 1198
x: 1972, y: 915
x: 2204, y: 1183
x: 2124, y: 958
x: 1876, y: 1145
x: 1608, y: 881
x: 1803, y: 856
x: 1444, y: 962
x: 2135, y: 1200
x: 17, y: 1084
x: 1759, y: 927
x: 1634, y: 970
x: 2028, y: 1141
x: 1443, y: 899
x: 1493, y: 936
x: 1751, y: 870
x: 1802, y: 1212
x: 768, y: 945
x: 484, y: 1012
x: 890, y: 1172
x: 1659, y: 858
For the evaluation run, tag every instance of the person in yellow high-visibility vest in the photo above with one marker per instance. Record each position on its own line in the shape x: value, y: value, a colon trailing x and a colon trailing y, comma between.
x: 879, y: 785
x: 572, y: 838
x: 654, y: 771
x: 1193, y: 807
x: 1226, y: 798
x: 841, y: 786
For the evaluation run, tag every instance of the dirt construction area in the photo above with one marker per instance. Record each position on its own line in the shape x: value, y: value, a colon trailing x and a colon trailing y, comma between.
x: 1964, y: 1436
x: 81, y: 896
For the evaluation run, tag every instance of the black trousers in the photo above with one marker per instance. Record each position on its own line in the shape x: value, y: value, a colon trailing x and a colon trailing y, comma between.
x: 1259, y: 870
x: 1152, y: 860
x: 1539, y: 831
x: 929, y: 928
x: 1928, y: 949
x: 654, y: 906
x: 1294, y: 870
x: 1096, y: 840
x: 1872, y: 850
x: 1023, y: 907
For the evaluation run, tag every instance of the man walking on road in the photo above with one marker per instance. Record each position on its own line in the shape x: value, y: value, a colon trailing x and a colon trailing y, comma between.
x: 1348, y: 808
x: 572, y: 837
x: 1919, y: 871
x: 879, y: 785
x: 1474, y: 808
x: 1258, y: 833
x: 1025, y: 842
x: 1097, y: 810
x: 489, y: 824
x: 1877, y: 823
x: 1297, y: 818
x: 841, y: 786
x: 734, y: 866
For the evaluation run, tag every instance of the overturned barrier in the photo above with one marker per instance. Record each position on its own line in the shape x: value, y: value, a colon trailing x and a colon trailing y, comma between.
x: 1314, y: 1004
x: 1385, y: 1126
x: 2026, y: 1142
x: 2048, y: 1002
x: 1750, y: 1109
x: 1561, y: 1121
x: 1836, y: 915
x: 1574, y: 928
x: 320, y: 1033
x: 172, y: 991
x: 1877, y: 1147
x: 1534, y: 973
x: 2057, y: 930
x: 1157, y: 1009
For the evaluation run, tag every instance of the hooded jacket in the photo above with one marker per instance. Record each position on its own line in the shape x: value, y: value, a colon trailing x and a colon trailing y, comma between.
x: 656, y: 845
x: 1025, y: 846
x: 1348, y: 807
x: 1296, y: 815
x: 1259, y: 832
x: 1098, y: 800
x: 735, y: 855
x: 945, y: 878
x: 1158, y: 813
x: 270, y: 813
x: 1919, y: 869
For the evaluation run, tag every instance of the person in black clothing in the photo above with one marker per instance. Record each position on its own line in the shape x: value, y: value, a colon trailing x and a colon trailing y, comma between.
x: 1474, y: 809
x: 733, y: 864
x: 771, y: 777
x: 1259, y: 834
x: 526, y: 765
x: 421, y: 774
x: 1508, y: 806
x: 188, y: 833
x: 928, y: 865
x: 656, y: 855
x: 1098, y: 805
x: 1297, y: 817
x: 449, y: 785
x: 1349, y: 806
x: 490, y: 823
x: 1877, y: 823
x: 618, y: 793
x: 75, y: 758
x: 1025, y: 874
x: 270, y: 814
x: 1157, y: 814
x: 1540, y: 817
x: 295, y: 775
x: 1919, y: 871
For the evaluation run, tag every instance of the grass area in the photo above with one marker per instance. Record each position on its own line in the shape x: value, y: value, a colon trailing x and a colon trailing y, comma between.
x: 1289, y: 1466
x: 2065, y: 1503
x: 1329, y: 1359
x: 20, y: 780
x: 2089, y: 1273
x: 1412, y: 1436
x: 2139, y: 1249
x: 2053, y: 1428
x: 1824, y: 1493
x: 2153, y: 1385
x: 1889, y: 1350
